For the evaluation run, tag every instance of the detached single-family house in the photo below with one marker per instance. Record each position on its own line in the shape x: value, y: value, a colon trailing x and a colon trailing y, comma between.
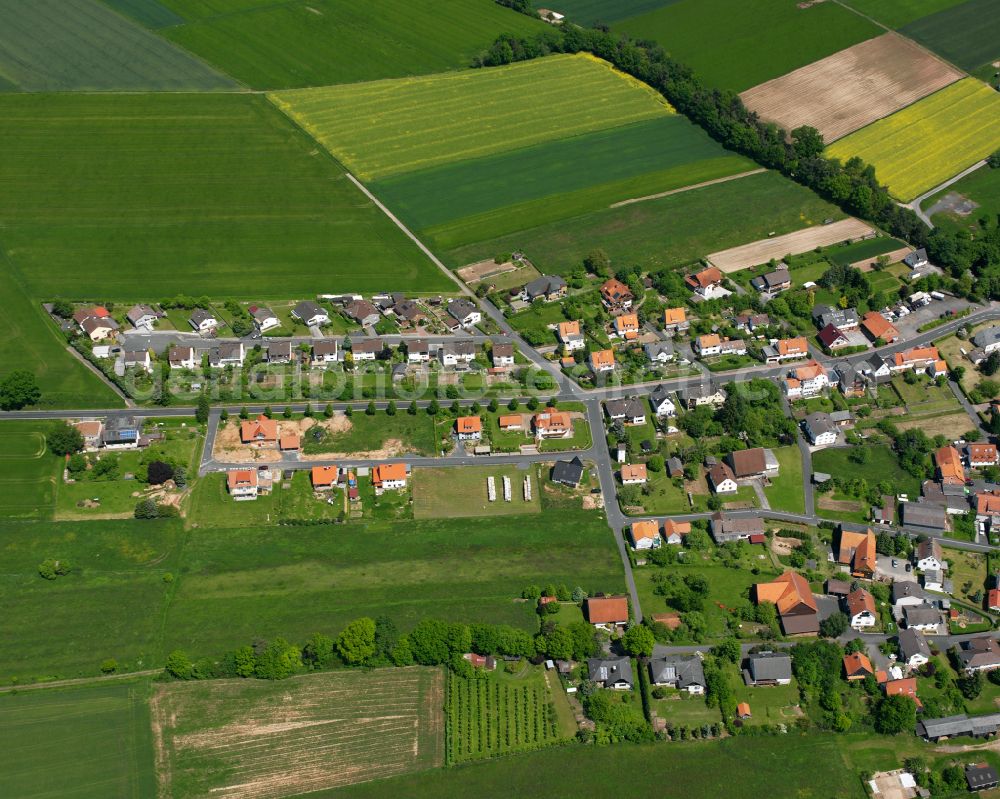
x: 606, y: 612
x: 916, y: 259
x: 325, y: 352
x: 725, y: 528
x: 388, y: 476
x: 907, y: 592
x: 980, y: 455
x: 807, y: 380
x: 90, y: 429
x: 469, y: 428
x: 645, y: 535
x: 878, y: 327
x: 948, y: 463
x: 242, y: 484
x: 773, y: 282
x: 602, y: 361
x: 570, y: 336
x: 675, y: 320
x: 366, y: 349
x: 418, y: 351
x: 750, y: 322
x: 627, y: 326
x: 786, y: 349
x: 121, y: 432
x: 137, y: 359
x: 833, y: 338
x: 279, y: 352
x: 99, y: 328
x: 708, y: 345
x: 551, y: 423
x: 981, y: 777
x: 674, y: 532
x: 683, y: 672
x: 458, y: 353
x: 702, y: 394
x: 503, y: 356
x: 631, y: 411
x: 409, y: 312
x: 987, y: 510
x: 259, y: 432
x: 914, y: 359
x: 310, y: 314
x: 861, y: 609
x: 264, y: 318
x: 707, y: 283
x: 928, y: 555
x: 857, y: 550
x: 820, y: 429
x: 749, y: 463
x: 796, y: 606
x: 934, y: 580
x: 142, y: 317
x: 923, y: 618
x: 981, y: 653
x: 202, y: 321
x: 661, y: 402
x: 324, y: 478
x: 987, y: 340
x: 722, y: 479
x: 182, y: 358
x: 464, y: 312
x: 568, y: 473
x: 914, y: 649
x: 363, y: 312
x: 611, y: 672
x: 228, y: 353
x: 768, y: 668
x: 904, y: 687
x: 633, y: 474
x: 616, y: 296
x: 841, y: 318
x: 548, y: 288
x: 659, y: 352
x: 857, y: 666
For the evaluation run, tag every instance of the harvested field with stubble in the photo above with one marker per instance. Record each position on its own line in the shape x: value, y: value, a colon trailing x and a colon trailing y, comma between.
x: 760, y: 252
x: 844, y: 92
x: 263, y: 740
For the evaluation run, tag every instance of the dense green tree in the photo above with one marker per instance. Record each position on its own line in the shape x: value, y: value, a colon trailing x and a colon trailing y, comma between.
x: 278, y: 660
x: 894, y: 714
x: 203, y: 408
x: 63, y: 439
x: 638, y: 641
x: 356, y: 643
x: 317, y: 653
x: 18, y: 389
x: 179, y: 665
x: 834, y: 625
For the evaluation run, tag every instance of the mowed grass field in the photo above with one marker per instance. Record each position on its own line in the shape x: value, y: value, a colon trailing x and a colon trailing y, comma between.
x: 736, y: 44
x: 269, y: 45
x: 238, y: 738
x: 667, y: 232
x: 84, y: 743
x: 385, y: 128
x: 60, y: 45
x: 27, y: 471
x: 921, y: 146
x: 450, y: 492
x: 160, y: 194
x: 967, y: 34
x: 982, y: 187
x: 803, y: 766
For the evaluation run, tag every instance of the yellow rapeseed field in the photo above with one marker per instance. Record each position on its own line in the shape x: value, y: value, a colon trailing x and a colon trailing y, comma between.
x: 923, y: 145
x: 389, y: 127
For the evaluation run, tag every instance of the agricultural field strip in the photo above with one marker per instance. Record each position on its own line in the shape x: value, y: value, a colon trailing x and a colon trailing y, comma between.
x: 850, y: 89
x: 967, y: 34
x: 760, y: 252
x: 896, y: 13
x: 390, y: 127
x: 58, y: 45
x: 932, y: 140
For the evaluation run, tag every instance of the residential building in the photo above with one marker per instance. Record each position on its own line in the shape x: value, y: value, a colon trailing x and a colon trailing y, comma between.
x: 631, y: 411
x: 409, y: 313
x: 722, y: 479
x: 707, y: 283
x: 98, y: 327
x: 903, y: 687
x: 907, y: 592
x: 725, y: 528
x: 457, y: 353
x: 645, y: 535
x: 242, y: 484
x: 182, y: 358
x: 137, y: 359
x: 363, y: 312
x: 807, y: 380
x: 934, y: 580
x: 914, y: 359
x: 469, y: 428
x: 503, y: 356
x: 602, y: 361
x: 987, y: 340
x: 90, y: 430
x: 683, y: 672
x: 981, y: 777
x: 626, y: 326
x: 142, y: 317
x: 914, y: 649
x: 606, y: 612
x: 616, y: 296
x: 820, y: 429
x: 785, y: 349
x: 841, y: 318
x: 310, y: 314
x: 264, y: 319
x: 981, y: 653
x: 324, y: 478
x: 773, y: 282
x: 699, y: 394
x: 923, y: 618
x: 389, y: 476
x: 980, y: 455
x: 511, y: 422
x: 633, y: 474
x: 861, y: 609
x: 203, y: 322
x: 659, y: 352
x: 418, y: 351
x: 987, y: 510
x: 121, y: 432
x: 878, y: 327
x: 551, y: 423
x: 279, y: 352
x: 750, y: 322
x: 547, y: 288
x: 924, y: 517
x: 916, y: 259
x: 794, y: 601
x: 857, y: 666
x: 948, y: 463
x: 611, y: 672
x: 366, y: 349
x: 325, y: 352
x: 674, y: 532
x: 570, y: 336
x: 857, y: 550
x: 928, y: 555
x: 289, y: 441
x: 768, y: 668
x: 661, y: 402
x: 464, y: 312
x: 833, y: 338
x: 675, y: 319
x: 993, y: 600
x: 568, y: 473
x: 259, y: 432
x: 750, y: 463
x: 228, y: 353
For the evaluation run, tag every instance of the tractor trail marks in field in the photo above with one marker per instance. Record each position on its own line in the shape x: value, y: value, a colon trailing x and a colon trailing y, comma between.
x: 258, y: 740
x: 850, y: 89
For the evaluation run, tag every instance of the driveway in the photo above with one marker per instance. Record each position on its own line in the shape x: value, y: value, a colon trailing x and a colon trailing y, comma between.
x: 898, y: 572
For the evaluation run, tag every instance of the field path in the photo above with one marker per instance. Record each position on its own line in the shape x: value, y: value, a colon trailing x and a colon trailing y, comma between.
x: 915, y: 205
x: 127, y: 675
x: 692, y: 187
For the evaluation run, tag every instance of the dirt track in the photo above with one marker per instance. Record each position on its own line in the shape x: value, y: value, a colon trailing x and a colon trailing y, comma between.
x: 850, y: 89
x: 760, y: 252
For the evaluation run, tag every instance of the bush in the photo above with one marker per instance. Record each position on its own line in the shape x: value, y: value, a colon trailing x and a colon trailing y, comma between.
x: 109, y: 666
x: 158, y: 472
x: 50, y: 568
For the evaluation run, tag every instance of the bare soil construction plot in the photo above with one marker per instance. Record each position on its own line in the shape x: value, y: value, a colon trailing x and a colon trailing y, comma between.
x: 760, y: 252
x: 853, y: 88
x: 261, y: 740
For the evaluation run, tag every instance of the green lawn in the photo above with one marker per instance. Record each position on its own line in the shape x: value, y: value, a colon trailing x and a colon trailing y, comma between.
x: 28, y: 472
x: 982, y: 187
x: 450, y: 492
x: 881, y: 465
x: 768, y: 704
x: 753, y: 207
x: 786, y: 491
x: 741, y: 767
x: 581, y: 439
x: 90, y: 743
x: 318, y: 42
x: 414, y: 433
x: 736, y: 44
x: 679, y: 707
x: 81, y: 45
x: 161, y: 194
x: 664, y: 497
x: 211, y: 506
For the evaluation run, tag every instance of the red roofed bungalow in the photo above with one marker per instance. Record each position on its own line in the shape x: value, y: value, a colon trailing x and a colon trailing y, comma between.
x: 324, y: 477
x: 607, y: 610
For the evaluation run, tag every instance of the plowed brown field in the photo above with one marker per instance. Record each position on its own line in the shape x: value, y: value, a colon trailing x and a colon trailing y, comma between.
x: 853, y: 88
